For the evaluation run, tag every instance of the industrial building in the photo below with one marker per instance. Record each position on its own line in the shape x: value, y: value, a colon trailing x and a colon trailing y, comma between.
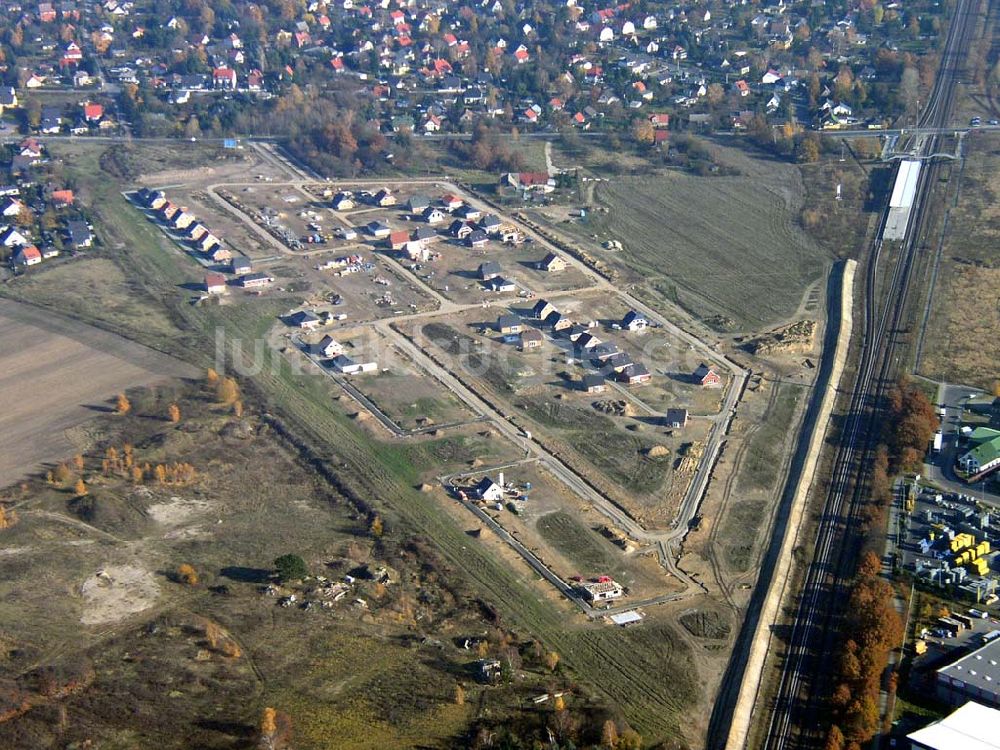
x: 976, y: 676
x: 972, y: 727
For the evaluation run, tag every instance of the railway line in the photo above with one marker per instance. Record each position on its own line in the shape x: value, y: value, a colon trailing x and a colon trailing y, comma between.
x: 795, y: 716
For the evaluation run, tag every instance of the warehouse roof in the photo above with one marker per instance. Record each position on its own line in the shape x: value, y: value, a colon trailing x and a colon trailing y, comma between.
x: 972, y: 727
x: 979, y: 669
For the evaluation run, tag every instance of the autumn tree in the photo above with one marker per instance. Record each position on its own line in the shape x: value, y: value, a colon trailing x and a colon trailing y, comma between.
x: 459, y: 695
x: 187, y: 575
x: 559, y: 704
x: 211, y: 377
x: 8, y: 518
x: 552, y: 660
x: 643, y: 132
x: 609, y: 735
x: 122, y: 404
x: 78, y: 462
x: 834, y: 739
x: 80, y: 488
x: 174, y: 413
x: 231, y: 650
x: 375, y: 526
x: 62, y: 473
x: 137, y: 475
x: 228, y: 391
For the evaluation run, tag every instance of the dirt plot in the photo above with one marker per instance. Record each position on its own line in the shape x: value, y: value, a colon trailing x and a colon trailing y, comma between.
x: 453, y: 271
x: 627, y: 451
x: 407, y: 394
x: 565, y: 533
x: 724, y: 248
x: 960, y: 343
x: 56, y: 373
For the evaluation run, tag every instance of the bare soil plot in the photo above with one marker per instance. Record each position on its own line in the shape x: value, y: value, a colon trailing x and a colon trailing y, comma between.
x: 403, y: 391
x: 56, y: 373
x: 724, y: 248
x: 566, y: 534
x: 623, y: 448
x: 960, y: 344
x: 453, y: 271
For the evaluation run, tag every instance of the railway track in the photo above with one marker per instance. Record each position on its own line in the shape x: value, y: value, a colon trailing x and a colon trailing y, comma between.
x: 795, y: 718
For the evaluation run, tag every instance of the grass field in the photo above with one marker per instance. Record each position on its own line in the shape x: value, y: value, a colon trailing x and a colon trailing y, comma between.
x: 960, y: 345
x: 578, y: 543
x: 757, y: 486
x: 727, y: 249
x: 717, y: 246
x: 654, y: 682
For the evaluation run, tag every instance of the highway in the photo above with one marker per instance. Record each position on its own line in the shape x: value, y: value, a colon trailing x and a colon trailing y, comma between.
x: 795, y: 717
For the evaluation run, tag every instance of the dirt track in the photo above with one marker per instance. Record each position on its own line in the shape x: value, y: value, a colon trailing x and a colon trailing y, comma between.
x: 55, y: 373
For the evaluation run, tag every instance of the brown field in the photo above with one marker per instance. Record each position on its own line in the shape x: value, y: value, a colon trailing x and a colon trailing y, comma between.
x: 960, y: 344
x: 56, y: 373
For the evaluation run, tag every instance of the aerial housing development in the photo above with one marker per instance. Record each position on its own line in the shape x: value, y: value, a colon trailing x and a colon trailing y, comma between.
x: 499, y: 374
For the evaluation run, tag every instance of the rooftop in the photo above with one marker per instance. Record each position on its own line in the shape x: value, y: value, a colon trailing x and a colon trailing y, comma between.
x: 971, y: 727
x: 979, y: 669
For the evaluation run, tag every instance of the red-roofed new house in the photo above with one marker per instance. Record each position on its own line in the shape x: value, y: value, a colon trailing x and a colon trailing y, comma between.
x: 660, y: 120
x: 92, y: 112
x: 215, y: 283
x: 62, y: 197
x: 224, y: 78
x: 28, y: 255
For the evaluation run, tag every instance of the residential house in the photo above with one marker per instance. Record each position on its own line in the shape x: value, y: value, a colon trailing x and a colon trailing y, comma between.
x: 330, y: 347
x: 378, y: 229
x: 460, y: 229
x: 10, y: 237
x: 469, y: 213
x: 417, y: 203
x: 602, y: 352
x: 705, y: 376
x: 215, y: 283
x: 530, y: 339
x: 451, y: 202
x: 676, y: 418
x: 633, y: 321
x: 347, y: 366
x: 416, y: 251
x: 433, y: 215
x: 635, y: 374
x: 488, y: 490
x: 398, y: 239
x: 500, y: 284
x: 342, y: 201
x: 488, y: 270
x: 551, y: 263
x: 304, y: 319
x: 509, y: 326
x: 557, y: 321
x: 587, y: 341
x: 11, y: 207
x: 240, y: 265
x: 27, y: 255
x: 593, y: 382
x: 477, y: 239
x: 79, y: 234
x: 384, y: 198
x: 542, y: 309
x: 490, y: 224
